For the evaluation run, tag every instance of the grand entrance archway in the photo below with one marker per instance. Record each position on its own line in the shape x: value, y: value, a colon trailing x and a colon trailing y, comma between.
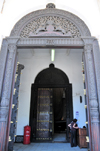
x: 50, y: 28
x: 51, y: 104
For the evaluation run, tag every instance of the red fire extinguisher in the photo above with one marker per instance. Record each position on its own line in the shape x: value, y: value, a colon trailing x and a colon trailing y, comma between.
x: 27, y: 133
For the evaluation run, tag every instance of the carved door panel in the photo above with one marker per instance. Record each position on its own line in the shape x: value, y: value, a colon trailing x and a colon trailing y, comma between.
x: 33, y: 112
x: 69, y: 109
x: 44, y: 114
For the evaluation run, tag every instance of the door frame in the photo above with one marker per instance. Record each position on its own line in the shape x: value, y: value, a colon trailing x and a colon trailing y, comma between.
x: 33, y: 104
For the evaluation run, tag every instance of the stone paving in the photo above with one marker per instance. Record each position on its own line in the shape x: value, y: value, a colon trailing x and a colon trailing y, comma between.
x: 46, y: 147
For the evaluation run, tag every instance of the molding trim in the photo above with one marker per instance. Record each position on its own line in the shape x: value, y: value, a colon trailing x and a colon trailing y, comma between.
x: 47, y: 42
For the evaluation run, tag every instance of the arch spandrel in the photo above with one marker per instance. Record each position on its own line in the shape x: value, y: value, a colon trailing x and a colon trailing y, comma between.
x: 77, y: 25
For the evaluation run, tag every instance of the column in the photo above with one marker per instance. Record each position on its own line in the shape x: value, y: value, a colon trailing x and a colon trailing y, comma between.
x: 3, y: 59
x: 6, y: 93
x: 92, y: 96
x: 96, y: 57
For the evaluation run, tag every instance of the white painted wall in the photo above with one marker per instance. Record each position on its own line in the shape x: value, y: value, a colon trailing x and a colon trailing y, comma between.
x: 35, y: 61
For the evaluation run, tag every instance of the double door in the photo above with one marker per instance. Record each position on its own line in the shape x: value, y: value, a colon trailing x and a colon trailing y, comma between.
x: 42, y: 113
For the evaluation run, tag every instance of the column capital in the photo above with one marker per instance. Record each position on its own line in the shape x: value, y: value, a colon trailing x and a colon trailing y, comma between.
x: 88, y: 47
x: 94, y: 115
x: 12, y: 47
x: 12, y: 40
x: 88, y: 40
x: 94, y: 110
x: 88, y: 43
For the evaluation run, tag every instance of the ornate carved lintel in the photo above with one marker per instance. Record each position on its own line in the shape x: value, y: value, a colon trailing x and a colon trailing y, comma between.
x: 23, y: 42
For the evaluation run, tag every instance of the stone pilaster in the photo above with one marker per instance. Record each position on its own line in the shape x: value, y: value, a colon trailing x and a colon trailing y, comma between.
x: 8, y: 76
x: 6, y: 93
x: 92, y: 95
x: 3, y: 59
x: 96, y: 57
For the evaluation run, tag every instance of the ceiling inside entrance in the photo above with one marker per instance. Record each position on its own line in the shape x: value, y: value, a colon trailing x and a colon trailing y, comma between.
x: 46, y: 52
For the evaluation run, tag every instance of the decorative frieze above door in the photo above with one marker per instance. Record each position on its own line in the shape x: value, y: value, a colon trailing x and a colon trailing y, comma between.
x: 50, y: 22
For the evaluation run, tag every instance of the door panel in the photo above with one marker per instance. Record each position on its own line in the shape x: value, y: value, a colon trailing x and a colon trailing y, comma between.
x: 69, y: 109
x: 33, y: 112
x: 44, y: 114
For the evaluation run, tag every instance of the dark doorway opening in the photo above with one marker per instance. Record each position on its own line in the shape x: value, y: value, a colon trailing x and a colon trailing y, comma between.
x: 51, y: 106
x: 59, y: 109
x: 59, y: 114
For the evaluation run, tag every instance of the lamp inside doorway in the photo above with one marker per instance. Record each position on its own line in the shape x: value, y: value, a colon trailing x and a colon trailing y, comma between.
x: 52, y: 54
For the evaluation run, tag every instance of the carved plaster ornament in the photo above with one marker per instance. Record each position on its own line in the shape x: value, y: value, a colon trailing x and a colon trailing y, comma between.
x: 69, y: 22
x: 50, y: 26
x: 42, y: 28
x: 50, y: 29
x: 50, y: 5
x: 59, y: 28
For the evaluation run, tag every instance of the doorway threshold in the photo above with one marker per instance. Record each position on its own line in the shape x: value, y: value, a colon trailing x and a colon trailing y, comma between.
x: 59, y: 138
x: 60, y: 141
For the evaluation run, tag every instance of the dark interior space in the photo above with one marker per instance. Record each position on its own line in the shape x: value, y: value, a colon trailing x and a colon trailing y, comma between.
x: 59, y: 110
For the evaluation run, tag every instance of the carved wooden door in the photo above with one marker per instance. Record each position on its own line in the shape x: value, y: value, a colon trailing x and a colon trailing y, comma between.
x: 44, y: 114
x: 69, y: 109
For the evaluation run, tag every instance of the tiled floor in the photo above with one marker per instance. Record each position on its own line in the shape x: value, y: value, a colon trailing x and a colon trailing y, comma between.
x: 46, y: 147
